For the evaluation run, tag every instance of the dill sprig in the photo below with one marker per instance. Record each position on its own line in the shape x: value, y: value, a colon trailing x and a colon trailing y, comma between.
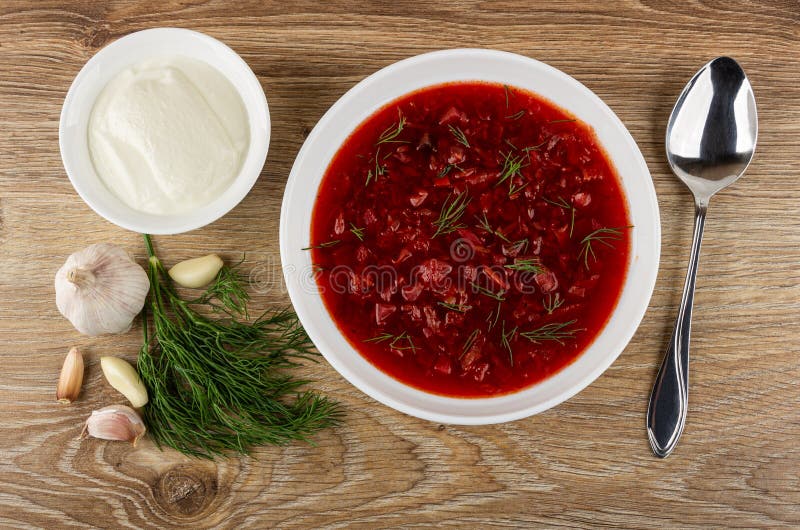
x: 491, y: 294
x: 511, y: 168
x: 227, y: 293
x: 395, y: 339
x: 380, y: 169
x: 507, y: 91
x: 483, y: 223
x: 393, y: 131
x: 526, y: 265
x: 455, y: 307
x: 562, y: 121
x: 469, y: 342
x: 562, y: 203
x: 447, y: 169
x: 604, y: 236
x: 356, y: 231
x: 221, y: 385
x: 459, y: 134
x: 555, y: 331
x: 519, y: 246
x: 326, y: 244
x: 505, y: 340
x: 492, y: 320
x: 534, y: 147
x: 453, y: 209
x: 552, y: 303
x: 516, y: 115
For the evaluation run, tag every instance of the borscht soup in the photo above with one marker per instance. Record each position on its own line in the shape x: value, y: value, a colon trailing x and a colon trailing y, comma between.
x: 470, y: 239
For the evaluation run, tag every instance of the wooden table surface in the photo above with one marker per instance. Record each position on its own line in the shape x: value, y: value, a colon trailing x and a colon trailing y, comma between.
x: 583, y: 463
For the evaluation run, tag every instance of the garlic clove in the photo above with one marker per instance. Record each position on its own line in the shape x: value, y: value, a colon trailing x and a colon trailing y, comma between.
x: 115, y: 422
x: 100, y: 289
x: 123, y: 376
x: 71, y: 378
x: 196, y: 272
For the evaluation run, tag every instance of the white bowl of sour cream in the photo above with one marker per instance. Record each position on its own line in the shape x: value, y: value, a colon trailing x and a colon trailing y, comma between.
x: 164, y: 131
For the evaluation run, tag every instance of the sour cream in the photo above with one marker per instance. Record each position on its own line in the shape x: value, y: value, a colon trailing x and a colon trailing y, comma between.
x: 168, y: 135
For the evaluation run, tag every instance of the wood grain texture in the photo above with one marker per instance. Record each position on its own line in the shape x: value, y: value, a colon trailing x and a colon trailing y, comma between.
x: 585, y: 463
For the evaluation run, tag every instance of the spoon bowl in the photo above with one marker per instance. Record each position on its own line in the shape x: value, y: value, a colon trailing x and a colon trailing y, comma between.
x: 711, y: 134
x: 711, y: 138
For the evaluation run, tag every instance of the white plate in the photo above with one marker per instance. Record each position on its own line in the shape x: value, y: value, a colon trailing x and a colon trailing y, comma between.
x: 434, y: 68
x: 104, y: 66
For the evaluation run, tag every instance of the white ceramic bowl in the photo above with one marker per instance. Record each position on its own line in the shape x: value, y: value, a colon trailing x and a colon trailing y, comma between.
x: 119, y: 55
x: 430, y: 69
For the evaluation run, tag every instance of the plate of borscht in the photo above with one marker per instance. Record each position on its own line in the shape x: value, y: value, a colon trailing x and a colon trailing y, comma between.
x: 470, y: 236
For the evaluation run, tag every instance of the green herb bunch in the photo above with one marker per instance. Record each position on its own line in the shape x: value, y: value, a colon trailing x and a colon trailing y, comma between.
x: 221, y: 384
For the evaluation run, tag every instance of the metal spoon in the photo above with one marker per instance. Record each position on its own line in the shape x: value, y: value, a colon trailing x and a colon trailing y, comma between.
x: 711, y: 137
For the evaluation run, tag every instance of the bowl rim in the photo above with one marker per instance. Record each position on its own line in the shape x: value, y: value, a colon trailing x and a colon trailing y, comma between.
x: 250, y: 91
x: 300, y: 300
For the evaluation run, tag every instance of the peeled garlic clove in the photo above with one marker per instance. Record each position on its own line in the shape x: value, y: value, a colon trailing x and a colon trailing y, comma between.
x: 115, y: 422
x: 100, y: 289
x: 196, y: 272
x: 71, y: 378
x: 123, y: 377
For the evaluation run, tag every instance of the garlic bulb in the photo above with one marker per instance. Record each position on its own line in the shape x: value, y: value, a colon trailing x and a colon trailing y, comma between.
x: 100, y: 289
x: 115, y: 422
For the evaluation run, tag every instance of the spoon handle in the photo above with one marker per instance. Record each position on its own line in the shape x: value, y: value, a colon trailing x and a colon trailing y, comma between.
x: 666, y: 413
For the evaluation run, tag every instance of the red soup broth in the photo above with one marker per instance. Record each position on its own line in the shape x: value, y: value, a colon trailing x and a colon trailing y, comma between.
x: 470, y: 239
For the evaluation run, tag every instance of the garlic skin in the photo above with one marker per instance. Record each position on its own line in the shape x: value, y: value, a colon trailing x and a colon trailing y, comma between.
x: 71, y: 378
x: 124, y: 378
x: 196, y: 272
x: 100, y: 289
x: 115, y: 422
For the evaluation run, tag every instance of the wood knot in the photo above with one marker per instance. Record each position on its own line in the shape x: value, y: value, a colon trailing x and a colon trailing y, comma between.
x: 305, y: 131
x: 185, y: 490
x: 95, y: 37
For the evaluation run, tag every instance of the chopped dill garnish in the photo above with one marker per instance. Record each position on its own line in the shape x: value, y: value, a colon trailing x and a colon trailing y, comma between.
x: 534, y: 147
x: 452, y: 210
x: 562, y: 121
x: 505, y: 340
x: 395, y: 339
x: 459, y: 134
x: 513, y: 189
x: 380, y: 338
x: 555, y: 331
x: 483, y: 224
x: 551, y: 303
x: 507, y: 91
x: 519, y: 246
x: 483, y: 290
x: 324, y: 245
x: 380, y: 169
x: 511, y: 168
x: 603, y: 236
x: 562, y: 203
x: 469, y: 342
x: 514, y: 147
x: 222, y: 385
x: 493, y: 320
x: 516, y: 115
x: 455, y: 307
x: 526, y: 265
x: 358, y: 232
x: 393, y: 131
x: 447, y: 169
x: 409, y: 343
